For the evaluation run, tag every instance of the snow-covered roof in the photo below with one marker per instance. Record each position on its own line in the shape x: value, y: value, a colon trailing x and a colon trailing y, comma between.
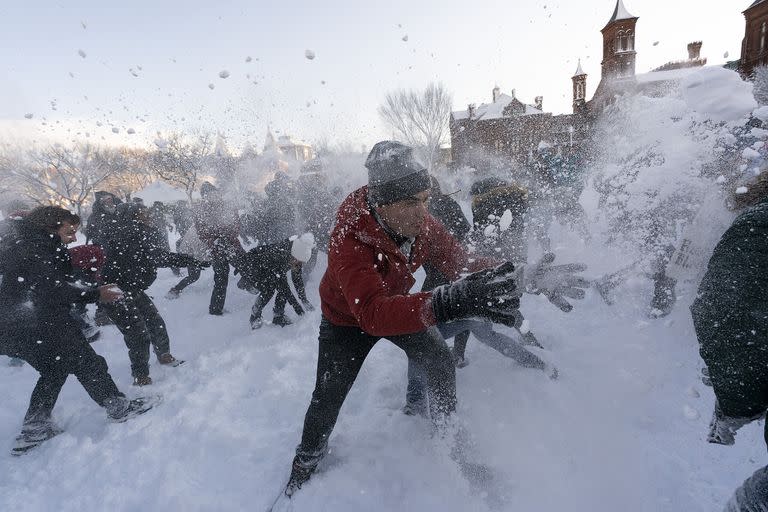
x: 495, y: 110
x: 755, y: 3
x: 579, y: 71
x: 620, y: 13
x: 666, y: 76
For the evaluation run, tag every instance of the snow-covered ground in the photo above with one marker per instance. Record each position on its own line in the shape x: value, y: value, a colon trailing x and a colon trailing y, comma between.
x: 624, y: 428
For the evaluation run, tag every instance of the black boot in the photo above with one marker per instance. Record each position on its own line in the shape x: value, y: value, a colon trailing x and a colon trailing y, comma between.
x: 300, y: 473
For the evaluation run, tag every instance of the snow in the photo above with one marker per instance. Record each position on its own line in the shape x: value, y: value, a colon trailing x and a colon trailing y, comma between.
x: 81, y: 53
x: 223, y: 73
x: 623, y: 428
x: 309, y: 54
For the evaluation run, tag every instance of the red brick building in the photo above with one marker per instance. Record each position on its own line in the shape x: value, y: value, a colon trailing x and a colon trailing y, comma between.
x: 754, y: 46
x: 509, y: 130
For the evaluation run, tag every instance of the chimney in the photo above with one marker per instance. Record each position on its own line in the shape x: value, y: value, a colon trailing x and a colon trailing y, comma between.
x: 471, y: 110
x: 694, y: 50
x: 495, y: 93
x: 513, y: 94
x: 539, y: 101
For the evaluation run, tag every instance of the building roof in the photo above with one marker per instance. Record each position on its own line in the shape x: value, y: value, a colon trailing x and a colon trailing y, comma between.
x: 495, y: 110
x: 579, y: 71
x: 621, y: 13
x: 755, y: 3
x: 666, y: 76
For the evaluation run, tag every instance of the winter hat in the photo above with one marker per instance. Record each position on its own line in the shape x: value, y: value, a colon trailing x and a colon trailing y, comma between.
x: 393, y: 173
x: 301, y: 247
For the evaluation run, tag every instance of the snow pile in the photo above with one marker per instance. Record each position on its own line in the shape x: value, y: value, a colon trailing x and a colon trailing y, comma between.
x: 659, y: 157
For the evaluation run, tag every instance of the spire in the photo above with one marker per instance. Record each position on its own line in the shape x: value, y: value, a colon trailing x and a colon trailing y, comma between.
x: 579, y: 71
x: 620, y: 13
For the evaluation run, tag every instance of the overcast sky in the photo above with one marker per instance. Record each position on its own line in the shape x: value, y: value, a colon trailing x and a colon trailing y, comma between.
x: 71, y: 64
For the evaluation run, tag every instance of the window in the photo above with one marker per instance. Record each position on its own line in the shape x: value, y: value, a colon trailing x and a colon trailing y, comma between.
x: 762, y: 36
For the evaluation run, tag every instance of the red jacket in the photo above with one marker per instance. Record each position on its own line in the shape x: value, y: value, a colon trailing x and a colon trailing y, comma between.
x: 368, y: 278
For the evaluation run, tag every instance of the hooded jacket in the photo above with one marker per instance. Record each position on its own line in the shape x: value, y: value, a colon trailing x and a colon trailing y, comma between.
x: 368, y: 278
x: 37, y: 289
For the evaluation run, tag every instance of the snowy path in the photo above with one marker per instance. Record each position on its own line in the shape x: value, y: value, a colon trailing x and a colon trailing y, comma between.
x: 622, y: 429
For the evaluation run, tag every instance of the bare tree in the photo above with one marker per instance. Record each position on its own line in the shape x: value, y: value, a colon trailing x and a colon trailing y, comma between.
x: 179, y: 162
x: 63, y: 176
x: 420, y: 118
x: 134, y: 176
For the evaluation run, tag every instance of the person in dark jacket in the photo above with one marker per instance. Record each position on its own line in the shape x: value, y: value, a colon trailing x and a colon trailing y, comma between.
x: 102, y: 217
x: 218, y: 226
x: 133, y: 255
x: 730, y: 315
x: 36, y: 296
x: 383, y: 234
x: 265, y: 271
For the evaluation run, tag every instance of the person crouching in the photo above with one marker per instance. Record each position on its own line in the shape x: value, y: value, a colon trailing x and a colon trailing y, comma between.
x: 266, y: 272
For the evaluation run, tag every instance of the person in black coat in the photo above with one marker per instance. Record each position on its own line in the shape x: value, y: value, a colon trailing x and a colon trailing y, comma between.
x: 730, y: 315
x: 133, y: 253
x: 265, y: 271
x: 102, y: 217
x: 36, y: 296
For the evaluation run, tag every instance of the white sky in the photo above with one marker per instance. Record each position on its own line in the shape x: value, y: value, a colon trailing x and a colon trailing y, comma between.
x: 181, y: 46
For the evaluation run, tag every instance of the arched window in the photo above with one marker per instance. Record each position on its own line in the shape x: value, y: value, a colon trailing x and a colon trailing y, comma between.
x: 579, y: 91
x: 630, y: 40
x: 762, y: 36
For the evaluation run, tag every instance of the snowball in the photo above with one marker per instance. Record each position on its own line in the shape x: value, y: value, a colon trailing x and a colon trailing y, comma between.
x: 405, y: 38
x: 655, y: 43
x: 742, y: 190
x: 131, y: 131
x: 28, y: 116
x: 505, y: 221
x: 81, y: 53
x: 725, y: 55
x: 211, y: 86
x: 223, y: 73
x: 309, y: 54
x: 749, y: 154
x: 20, y: 279
x: 248, y: 59
x: 115, y: 129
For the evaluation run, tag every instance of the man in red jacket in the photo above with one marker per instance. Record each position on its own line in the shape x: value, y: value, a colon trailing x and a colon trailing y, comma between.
x: 383, y: 233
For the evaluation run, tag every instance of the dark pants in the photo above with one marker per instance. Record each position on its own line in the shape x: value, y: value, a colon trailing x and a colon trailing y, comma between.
x: 223, y: 255
x: 284, y: 295
x: 341, y: 353
x: 55, y: 359
x: 141, y: 324
x: 193, y: 274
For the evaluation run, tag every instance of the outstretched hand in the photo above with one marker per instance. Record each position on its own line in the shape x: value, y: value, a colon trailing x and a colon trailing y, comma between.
x: 555, y: 282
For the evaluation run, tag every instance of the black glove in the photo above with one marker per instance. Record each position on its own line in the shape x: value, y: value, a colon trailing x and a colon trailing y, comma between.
x: 490, y: 293
x: 203, y: 264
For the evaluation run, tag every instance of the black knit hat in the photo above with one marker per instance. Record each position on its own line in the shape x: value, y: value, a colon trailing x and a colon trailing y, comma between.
x: 393, y: 173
